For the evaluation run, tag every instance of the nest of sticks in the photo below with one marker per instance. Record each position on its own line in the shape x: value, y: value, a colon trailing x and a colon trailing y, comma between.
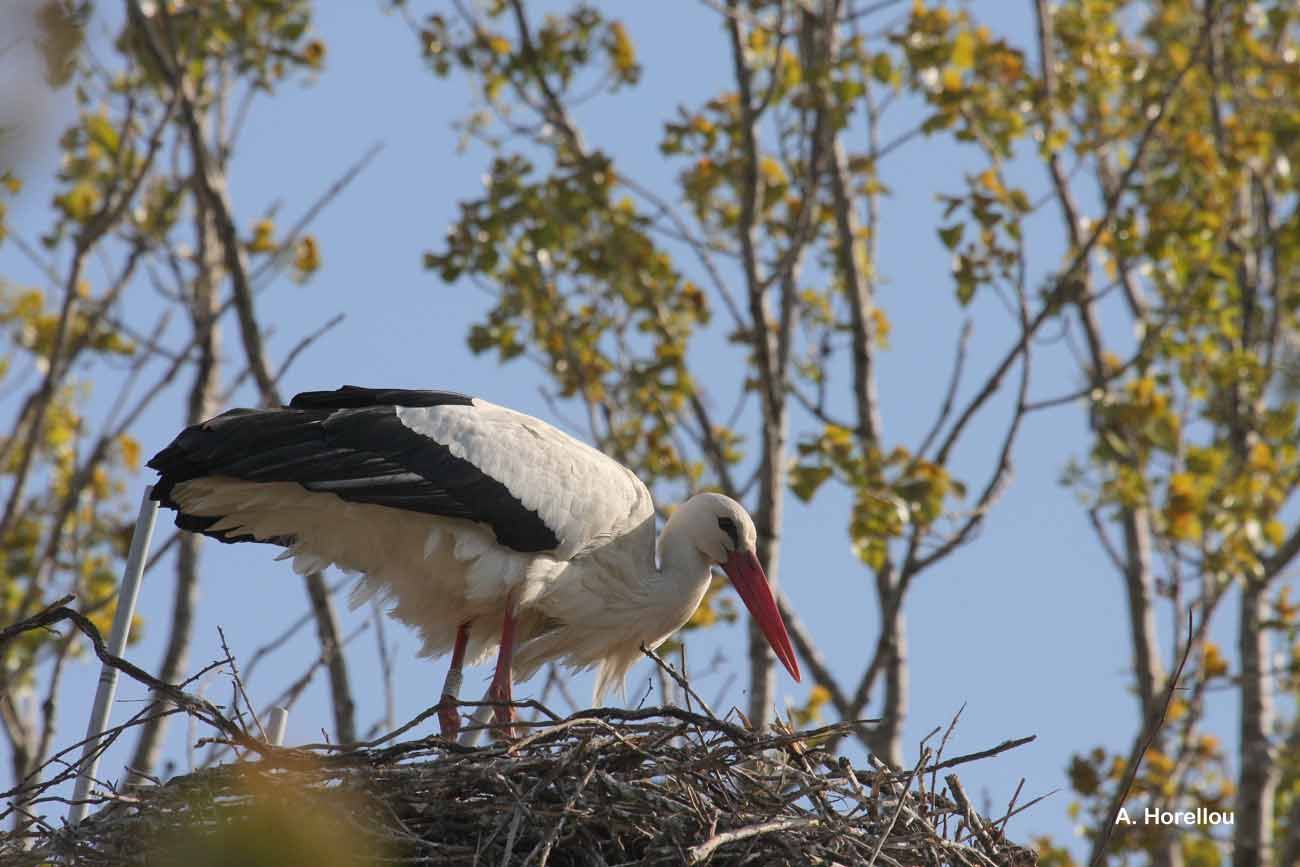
x: 601, y: 787
x: 604, y: 787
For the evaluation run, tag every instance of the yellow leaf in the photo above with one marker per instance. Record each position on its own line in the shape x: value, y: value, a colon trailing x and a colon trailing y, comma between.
x: 622, y: 51
x: 989, y: 180
x: 881, y: 325
x: 1182, y: 485
x: 130, y: 452
x: 1158, y: 763
x: 1185, y: 527
x: 307, y: 258
x: 79, y: 202
x: 963, y: 50
x: 263, y: 237
x: 1212, y: 662
x: 313, y: 53
x: 838, y: 436
x: 702, y: 617
x: 773, y: 174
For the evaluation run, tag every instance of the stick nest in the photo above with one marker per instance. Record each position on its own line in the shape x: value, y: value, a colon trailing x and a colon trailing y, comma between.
x: 603, y: 787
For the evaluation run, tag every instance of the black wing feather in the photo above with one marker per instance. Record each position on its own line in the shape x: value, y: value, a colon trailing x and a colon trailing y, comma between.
x: 351, y: 443
x: 354, y: 397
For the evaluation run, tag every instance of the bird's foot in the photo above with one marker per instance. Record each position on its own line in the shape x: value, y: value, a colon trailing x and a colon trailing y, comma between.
x: 449, y: 717
x: 503, y: 715
x: 505, y: 718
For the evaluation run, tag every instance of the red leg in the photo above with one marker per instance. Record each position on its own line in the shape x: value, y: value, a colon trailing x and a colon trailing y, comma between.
x: 448, y: 715
x: 500, y: 690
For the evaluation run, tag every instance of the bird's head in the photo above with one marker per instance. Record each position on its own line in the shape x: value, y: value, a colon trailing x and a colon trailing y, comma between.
x: 724, y: 533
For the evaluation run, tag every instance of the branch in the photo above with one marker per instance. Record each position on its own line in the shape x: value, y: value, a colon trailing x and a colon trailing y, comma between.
x: 199, y: 707
x: 982, y: 754
x: 815, y: 662
x: 210, y: 181
x: 57, y: 365
x: 1047, y: 60
x: 701, y: 853
x: 677, y: 676
x: 954, y: 382
x: 1140, y: 747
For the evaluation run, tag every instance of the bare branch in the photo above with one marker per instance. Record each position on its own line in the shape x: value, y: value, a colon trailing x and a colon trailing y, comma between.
x: 1136, y: 754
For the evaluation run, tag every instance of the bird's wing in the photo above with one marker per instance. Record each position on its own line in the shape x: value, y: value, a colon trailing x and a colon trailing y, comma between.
x: 436, y: 453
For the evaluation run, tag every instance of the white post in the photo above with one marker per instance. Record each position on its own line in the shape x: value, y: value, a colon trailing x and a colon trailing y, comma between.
x: 481, y: 715
x: 126, y: 597
x: 279, y: 721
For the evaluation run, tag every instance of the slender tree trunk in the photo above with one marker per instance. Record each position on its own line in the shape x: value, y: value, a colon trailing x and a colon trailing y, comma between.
x: 885, y: 739
x: 771, y: 375
x: 768, y: 523
x: 20, y: 757
x: 1252, y: 836
x: 1289, y: 846
x: 1138, y: 582
x: 327, y: 633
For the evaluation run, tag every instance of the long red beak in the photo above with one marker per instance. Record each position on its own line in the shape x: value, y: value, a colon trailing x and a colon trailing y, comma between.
x: 747, y: 577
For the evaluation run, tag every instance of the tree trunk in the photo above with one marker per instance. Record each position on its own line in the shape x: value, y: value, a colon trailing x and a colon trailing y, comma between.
x: 1252, y: 835
x: 331, y: 648
x: 762, y: 681
x: 886, y: 737
x: 1142, y: 622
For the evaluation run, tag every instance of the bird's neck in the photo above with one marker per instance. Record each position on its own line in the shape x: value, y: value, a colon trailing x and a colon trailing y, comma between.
x: 683, y: 574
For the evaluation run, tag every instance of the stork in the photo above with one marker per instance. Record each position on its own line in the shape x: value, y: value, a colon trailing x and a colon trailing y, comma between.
x: 483, y: 527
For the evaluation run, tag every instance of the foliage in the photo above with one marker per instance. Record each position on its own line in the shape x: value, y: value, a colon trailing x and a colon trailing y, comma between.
x: 76, y: 372
x: 1195, y: 435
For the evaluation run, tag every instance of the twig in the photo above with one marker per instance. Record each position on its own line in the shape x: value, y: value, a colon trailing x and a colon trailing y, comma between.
x: 197, y: 706
x: 902, y: 803
x: 982, y: 754
x: 679, y: 678
x: 239, y: 684
x: 699, y: 854
x: 1140, y: 747
x: 959, y: 794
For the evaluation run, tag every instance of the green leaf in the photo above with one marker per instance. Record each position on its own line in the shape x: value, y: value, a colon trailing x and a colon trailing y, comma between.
x: 805, y: 480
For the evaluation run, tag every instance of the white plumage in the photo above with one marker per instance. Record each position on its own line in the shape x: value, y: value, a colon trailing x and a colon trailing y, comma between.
x: 472, y: 521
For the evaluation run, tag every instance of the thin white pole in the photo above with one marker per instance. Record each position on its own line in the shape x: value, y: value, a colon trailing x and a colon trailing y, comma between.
x: 475, y: 731
x: 126, y: 598
x: 279, y: 721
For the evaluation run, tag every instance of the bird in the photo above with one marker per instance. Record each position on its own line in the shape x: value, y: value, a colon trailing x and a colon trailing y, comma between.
x: 482, y: 527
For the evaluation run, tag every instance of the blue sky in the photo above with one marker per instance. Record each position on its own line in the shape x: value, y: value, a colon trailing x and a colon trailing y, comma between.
x: 1026, y: 627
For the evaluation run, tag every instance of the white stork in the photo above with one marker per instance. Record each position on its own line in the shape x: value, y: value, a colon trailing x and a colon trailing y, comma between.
x: 484, y: 527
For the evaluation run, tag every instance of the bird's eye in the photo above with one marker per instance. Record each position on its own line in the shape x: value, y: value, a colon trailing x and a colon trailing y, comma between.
x: 728, y: 526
